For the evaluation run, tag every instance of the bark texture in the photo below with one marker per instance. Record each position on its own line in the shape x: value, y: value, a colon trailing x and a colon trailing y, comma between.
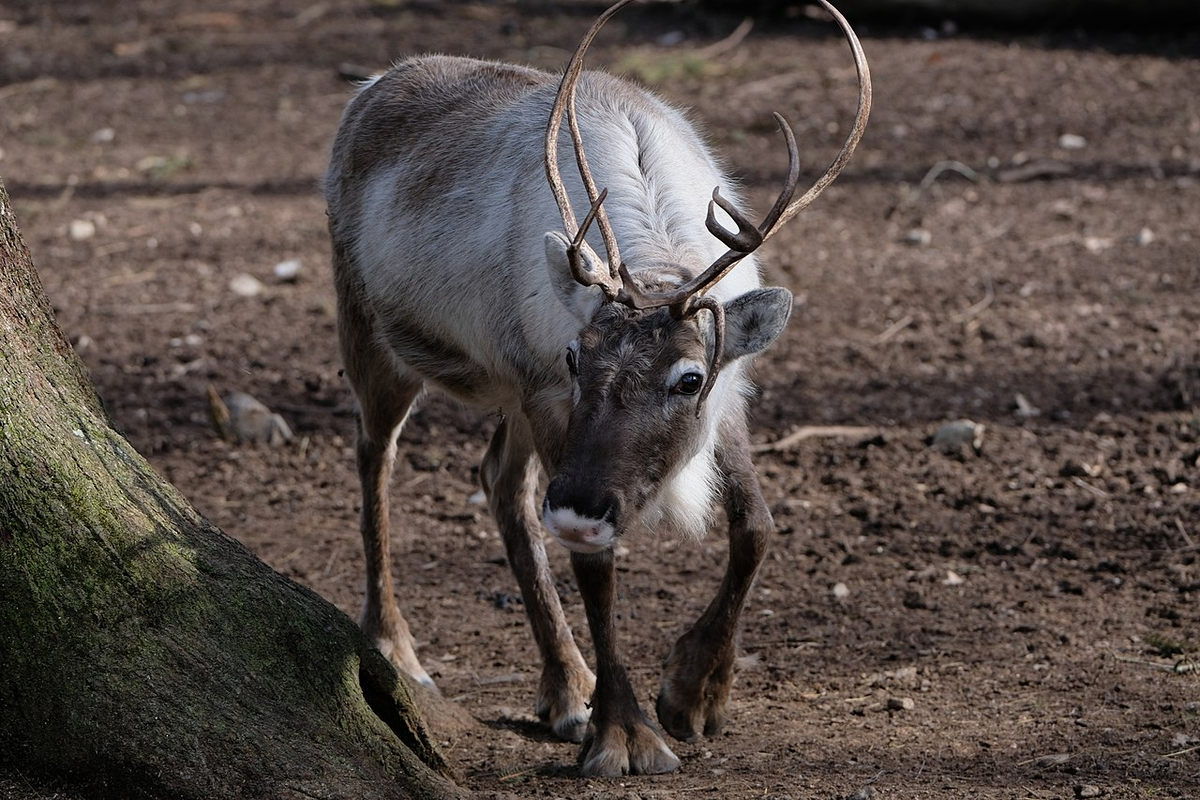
x: 144, y: 652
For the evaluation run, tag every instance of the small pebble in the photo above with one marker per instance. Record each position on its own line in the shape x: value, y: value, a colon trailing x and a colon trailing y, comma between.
x: 1087, y: 790
x: 244, y: 285
x: 953, y: 436
x: 243, y: 418
x: 81, y: 229
x: 1025, y: 409
x: 1074, y: 468
x: 1072, y: 141
x: 1063, y: 208
x: 901, y: 704
x: 287, y: 270
x: 840, y: 591
x: 919, y: 237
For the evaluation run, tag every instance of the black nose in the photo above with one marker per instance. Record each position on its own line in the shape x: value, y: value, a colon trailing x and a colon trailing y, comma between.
x: 583, y: 499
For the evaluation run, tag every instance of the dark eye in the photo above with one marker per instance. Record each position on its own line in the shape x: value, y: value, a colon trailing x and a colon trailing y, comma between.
x: 572, y: 363
x: 689, y: 383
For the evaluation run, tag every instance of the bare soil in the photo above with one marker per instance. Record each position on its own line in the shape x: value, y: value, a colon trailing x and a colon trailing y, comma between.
x: 1016, y: 243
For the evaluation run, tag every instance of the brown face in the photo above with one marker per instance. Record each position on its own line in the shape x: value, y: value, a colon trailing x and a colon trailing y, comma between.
x: 638, y: 376
x: 635, y: 445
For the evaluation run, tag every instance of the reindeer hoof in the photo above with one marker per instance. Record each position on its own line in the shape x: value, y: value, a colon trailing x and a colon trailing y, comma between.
x: 569, y: 724
x: 409, y: 665
x: 694, y: 691
x: 686, y: 722
x: 628, y: 749
x: 396, y: 644
x: 562, y: 701
x: 426, y: 681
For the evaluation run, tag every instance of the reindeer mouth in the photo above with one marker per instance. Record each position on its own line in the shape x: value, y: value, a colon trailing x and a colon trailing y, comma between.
x: 578, y: 533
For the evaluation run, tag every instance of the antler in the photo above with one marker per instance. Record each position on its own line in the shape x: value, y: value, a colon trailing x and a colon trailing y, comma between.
x: 587, y: 273
x: 856, y: 131
x: 618, y: 284
x: 749, y: 237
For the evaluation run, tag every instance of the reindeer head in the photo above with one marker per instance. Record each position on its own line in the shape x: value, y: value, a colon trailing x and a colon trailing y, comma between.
x: 644, y: 366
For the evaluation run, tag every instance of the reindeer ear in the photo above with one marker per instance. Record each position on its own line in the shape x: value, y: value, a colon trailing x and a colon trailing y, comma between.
x: 754, y: 320
x: 582, y: 301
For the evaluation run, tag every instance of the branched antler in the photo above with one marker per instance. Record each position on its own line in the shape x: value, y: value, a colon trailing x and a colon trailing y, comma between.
x: 616, y: 280
x: 749, y: 237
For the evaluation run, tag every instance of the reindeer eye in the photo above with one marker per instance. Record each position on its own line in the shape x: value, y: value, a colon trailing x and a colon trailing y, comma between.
x: 572, y: 361
x: 688, y: 383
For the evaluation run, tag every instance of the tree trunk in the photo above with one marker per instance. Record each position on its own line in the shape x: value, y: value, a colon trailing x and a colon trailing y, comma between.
x: 145, y: 653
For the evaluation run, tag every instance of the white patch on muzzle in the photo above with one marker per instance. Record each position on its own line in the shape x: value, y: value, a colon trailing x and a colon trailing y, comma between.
x: 581, y: 534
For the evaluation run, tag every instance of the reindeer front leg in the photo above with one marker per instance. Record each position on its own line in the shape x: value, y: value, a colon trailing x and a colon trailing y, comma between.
x: 510, y: 478
x: 698, y: 672
x: 620, y: 738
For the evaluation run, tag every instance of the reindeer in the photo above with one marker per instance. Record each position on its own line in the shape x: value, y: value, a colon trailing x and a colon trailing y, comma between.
x: 452, y: 272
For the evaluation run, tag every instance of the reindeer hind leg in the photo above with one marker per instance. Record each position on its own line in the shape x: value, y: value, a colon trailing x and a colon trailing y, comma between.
x: 380, y: 422
x: 386, y: 392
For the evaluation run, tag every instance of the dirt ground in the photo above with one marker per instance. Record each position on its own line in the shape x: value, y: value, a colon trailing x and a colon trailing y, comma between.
x: 1016, y: 243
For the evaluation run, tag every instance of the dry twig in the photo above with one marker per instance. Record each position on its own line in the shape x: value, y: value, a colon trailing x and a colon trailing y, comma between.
x: 989, y: 297
x: 893, y: 329
x: 809, y: 432
x: 935, y: 172
x: 730, y: 42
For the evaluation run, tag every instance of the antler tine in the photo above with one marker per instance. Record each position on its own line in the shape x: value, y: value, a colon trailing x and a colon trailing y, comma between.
x: 745, y: 241
x: 582, y: 259
x: 747, y: 237
x: 564, y: 103
x: 553, y: 175
x: 589, y: 183
x: 718, y: 314
x: 856, y: 132
x: 789, y: 185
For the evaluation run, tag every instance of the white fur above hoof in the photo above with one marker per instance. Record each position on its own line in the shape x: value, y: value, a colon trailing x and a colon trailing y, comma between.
x: 625, y: 750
